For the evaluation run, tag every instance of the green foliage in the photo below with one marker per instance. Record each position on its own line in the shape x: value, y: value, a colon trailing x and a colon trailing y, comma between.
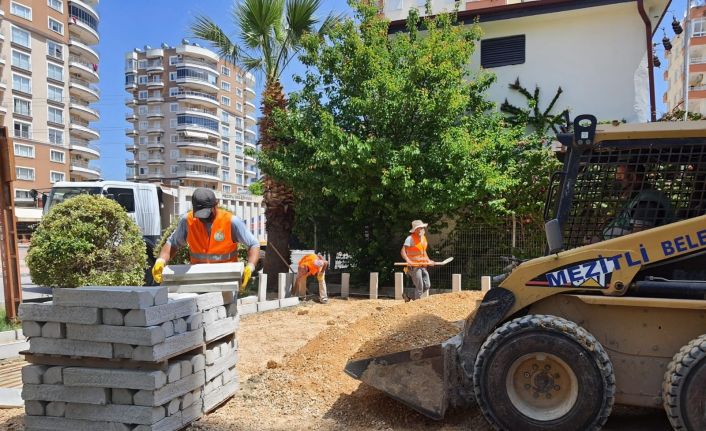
x: 678, y: 115
x: 87, y: 240
x: 533, y: 117
x: 256, y: 188
x: 388, y: 129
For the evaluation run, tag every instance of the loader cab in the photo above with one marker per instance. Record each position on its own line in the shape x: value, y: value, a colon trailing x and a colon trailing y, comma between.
x: 625, y: 178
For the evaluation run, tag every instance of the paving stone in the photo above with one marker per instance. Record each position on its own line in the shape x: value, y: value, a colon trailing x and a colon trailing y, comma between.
x: 212, y: 355
x: 179, y: 326
x: 203, y: 272
x: 169, y: 423
x: 219, y: 395
x: 34, y: 408
x: 186, y: 368
x: 246, y: 309
x: 53, y: 376
x: 213, y: 385
x: 115, y: 413
x: 217, y: 286
x: 187, y: 400
x: 54, y: 330
x: 170, y: 391
x: 198, y: 362
x: 31, y: 328
x: 174, y: 309
x: 48, y: 312
x: 128, y: 297
x: 148, y: 336
x: 168, y: 327
x: 194, y: 321
x: 69, y: 394
x: 231, y: 310
x: 220, y: 328
x: 221, y: 310
x: 221, y: 365
x: 114, y: 378
x: 210, y: 316
x: 122, y: 351
x: 228, y: 375
x: 170, y: 346
x: 59, y: 346
x: 197, y: 393
x: 113, y: 316
x: 252, y: 299
x: 267, y: 305
x: 121, y: 396
x: 206, y: 301
x: 173, y: 372
x: 173, y: 406
x: 32, y: 374
x: 56, y: 408
x: 46, y: 423
x: 289, y: 302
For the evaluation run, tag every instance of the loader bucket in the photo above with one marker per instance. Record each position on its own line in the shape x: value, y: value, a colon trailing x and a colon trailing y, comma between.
x: 423, y: 379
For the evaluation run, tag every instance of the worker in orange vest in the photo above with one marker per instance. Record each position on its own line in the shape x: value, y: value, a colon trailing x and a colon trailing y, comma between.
x: 212, y: 234
x: 414, y: 252
x: 311, y: 264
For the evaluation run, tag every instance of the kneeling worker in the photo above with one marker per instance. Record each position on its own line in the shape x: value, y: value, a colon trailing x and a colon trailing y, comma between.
x: 311, y: 264
x: 212, y: 234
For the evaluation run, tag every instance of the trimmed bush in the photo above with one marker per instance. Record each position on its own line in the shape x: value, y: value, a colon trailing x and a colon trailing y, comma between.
x: 87, y: 240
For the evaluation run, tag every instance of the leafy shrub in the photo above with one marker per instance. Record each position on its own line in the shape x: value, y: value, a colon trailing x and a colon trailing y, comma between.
x: 87, y: 240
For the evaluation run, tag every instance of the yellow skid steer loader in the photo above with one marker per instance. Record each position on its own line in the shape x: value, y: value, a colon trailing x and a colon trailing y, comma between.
x: 613, y: 314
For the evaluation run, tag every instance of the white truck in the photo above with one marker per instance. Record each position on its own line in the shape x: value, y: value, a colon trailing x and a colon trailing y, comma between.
x: 151, y: 207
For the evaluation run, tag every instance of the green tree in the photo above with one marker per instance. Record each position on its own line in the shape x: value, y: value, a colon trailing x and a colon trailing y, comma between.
x: 537, y: 120
x: 387, y: 129
x: 270, y: 34
x: 87, y: 240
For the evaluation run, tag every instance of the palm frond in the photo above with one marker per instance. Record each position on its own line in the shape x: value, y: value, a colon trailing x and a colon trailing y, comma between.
x: 258, y: 21
x: 301, y: 18
x: 206, y: 29
x: 329, y: 22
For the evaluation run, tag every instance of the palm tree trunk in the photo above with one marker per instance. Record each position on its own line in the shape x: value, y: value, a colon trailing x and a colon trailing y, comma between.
x: 277, y: 197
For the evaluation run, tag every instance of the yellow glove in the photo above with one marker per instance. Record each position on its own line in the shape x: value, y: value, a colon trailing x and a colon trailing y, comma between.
x: 320, y: 276
x: 247, y: 272
x: 157, y: 270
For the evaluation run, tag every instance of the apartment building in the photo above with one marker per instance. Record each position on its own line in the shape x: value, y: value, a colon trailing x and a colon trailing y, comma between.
x: 192, y: 119
x: 48, y: 72
x: 673, y: 98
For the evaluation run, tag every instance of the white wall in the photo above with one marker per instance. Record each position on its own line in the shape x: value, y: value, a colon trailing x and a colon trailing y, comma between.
x: 399, y: 9
x: 594, y: 54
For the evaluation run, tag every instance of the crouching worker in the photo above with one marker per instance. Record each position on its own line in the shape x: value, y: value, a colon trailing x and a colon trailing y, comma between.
x: 311, y: 264
x: 212, y: 235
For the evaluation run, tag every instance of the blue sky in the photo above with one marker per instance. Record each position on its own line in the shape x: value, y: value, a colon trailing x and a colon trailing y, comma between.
x: 127, y: 24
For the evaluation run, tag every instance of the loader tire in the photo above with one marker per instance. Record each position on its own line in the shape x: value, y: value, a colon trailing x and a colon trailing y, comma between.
x: 545, y: 373
x: 683, y: 388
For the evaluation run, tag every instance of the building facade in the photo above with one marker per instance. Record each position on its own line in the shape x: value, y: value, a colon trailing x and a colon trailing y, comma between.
x: 598, y: 51
x: 673, y: 98
x: 48, y: 72
x: 192, y: 118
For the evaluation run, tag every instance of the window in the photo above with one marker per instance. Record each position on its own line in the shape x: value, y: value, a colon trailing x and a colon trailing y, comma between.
x: 23, y: 195
x: 56, y: 156
x: 225, y: 131
x: 22, y: 106
x: 502, y: 51
x: 26, y: 174
x: 226, y: 176
x: 239, y: 92
x: 173, y: 91
x: 141, y: 64
x: 192, y: 120
x: 143, y: 124
x: 22, y: 150
x: 225, y: 85
x: 699, y: 27
x: 56, y: 5
x: 21, y: 60
x: 21, y: 83
x: 174, y: 154
x: 225, y: 147
x: 23, y: 130
x: 55, y: 50
x: 239, y: 122
x: 239, y: 78
x: 56, y: 136
x: 238, y: 106
x: 225, y: 71
x: 239, y: 136
x: 173, y: 123
x: 21, y: 37
x: 142, y: 110
x: 173, y: 59
x: 21, y: 10
x: 226, y: 188
x: 143, y: 140
x: 55, y: 177
x: 224, y: 116
x: 55, y: 94
x: 172, y: 76
x: 142, y: 171
x: 142, y: 79
x: 174, y: 169
x: 173, y: 107
x: 55, y: 115
x: 55, y: 72
x: 173, y: 138
x: 225, y: 100
x: 239, y: 179
x: 56, y: 26
x: 124, y: 196
x: 225, y: 161
x: 142, y: 94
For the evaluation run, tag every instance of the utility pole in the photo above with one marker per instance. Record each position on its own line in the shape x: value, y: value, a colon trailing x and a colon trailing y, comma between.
x: 687, y: 58
x: 9, y: 255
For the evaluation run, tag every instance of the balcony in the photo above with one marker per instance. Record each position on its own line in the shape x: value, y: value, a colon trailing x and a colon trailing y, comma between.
x: 249, y: 120
x: 202, y: 145
x: 81, y: 30
x: 155, y: 175
x: 153, y: 83
x: 155, y: 160
x: 131, y: 117
x: 85, y: 149
x: 250, y: 172
x: 249, y: 107
x: 82, y: 130
x: 249, y: 93
x: 195, y: 62
x: 155, y: 99
x: 155, y: 66
x: 155, y: 145
x: 195, y: 128
x: 198, y: 175
x: 155, y: 130
x: 204, y: 160
x: 197, y: 97
x: 131, y: 132
x: 200, y: 112
x: 197, y: 82
x: 83, y: 89
x: 155, y: 114
x: 80, y: 48
x: 82, y: 170
x: 251, y: 145
x: 83, y: 69
x: 196, y: 52
x: 130, y: 101
x: 84, y: 112
x: 250, y: 132
x: 131, y: 147
x: 131, y: 162
x: 131, y: 86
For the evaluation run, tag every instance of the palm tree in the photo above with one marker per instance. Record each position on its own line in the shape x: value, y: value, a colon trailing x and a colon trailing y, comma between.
x: 270, y: 33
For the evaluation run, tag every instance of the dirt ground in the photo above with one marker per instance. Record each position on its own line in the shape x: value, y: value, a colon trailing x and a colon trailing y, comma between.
x: 291, y: 361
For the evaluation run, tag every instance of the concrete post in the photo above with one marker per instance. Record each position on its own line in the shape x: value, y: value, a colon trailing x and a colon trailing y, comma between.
x: 399, y: 285
x: 282, y: 285
x: 345, y: 285
x: 373, y: 285
x: 455, y: 282
x: 262, y: 288
x: 485, y: 283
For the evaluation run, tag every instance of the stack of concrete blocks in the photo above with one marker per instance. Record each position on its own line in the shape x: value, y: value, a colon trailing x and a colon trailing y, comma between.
x: 142, y: 358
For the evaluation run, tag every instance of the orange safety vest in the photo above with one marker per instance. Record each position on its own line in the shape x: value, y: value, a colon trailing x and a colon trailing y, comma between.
x: 308, y: 262
x: 417, y: 253
x: 215, y: 248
